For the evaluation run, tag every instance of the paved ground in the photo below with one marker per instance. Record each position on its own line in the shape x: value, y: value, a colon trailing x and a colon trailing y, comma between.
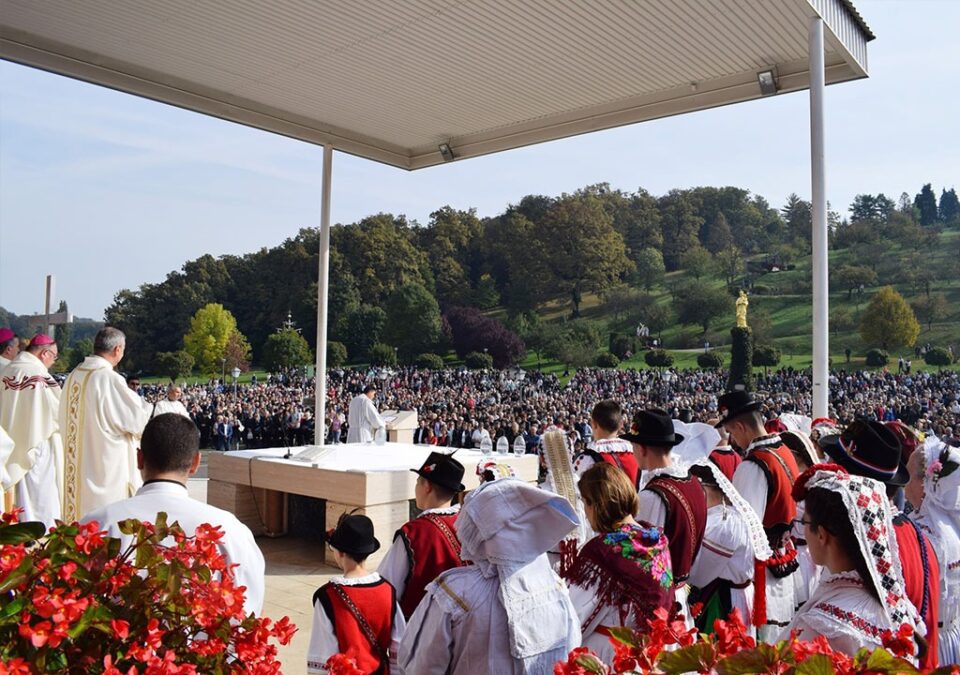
x: 295, y: 569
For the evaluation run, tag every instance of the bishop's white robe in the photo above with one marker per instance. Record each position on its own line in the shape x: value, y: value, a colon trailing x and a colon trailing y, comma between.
x: 101, y: 421
x: 363, y: 419
x: 29, y: 407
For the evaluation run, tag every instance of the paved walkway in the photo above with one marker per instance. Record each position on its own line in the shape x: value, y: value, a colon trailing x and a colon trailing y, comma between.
x: 295, y: 569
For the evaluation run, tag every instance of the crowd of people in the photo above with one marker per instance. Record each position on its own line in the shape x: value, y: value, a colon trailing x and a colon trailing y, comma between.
x: 458, y: 407
x: 659, y: 492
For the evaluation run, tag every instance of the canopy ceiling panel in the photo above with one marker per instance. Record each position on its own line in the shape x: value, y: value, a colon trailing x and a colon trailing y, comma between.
x: 391, y: 80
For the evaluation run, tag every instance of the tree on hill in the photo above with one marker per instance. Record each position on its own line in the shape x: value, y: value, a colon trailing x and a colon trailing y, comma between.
x: 363, y: 328
x: 285, y: 349
x: 650, y: 268
x: 696, y: 261
x: 213, y: 337
x: 450, y: 242
x: 949, y: 210
x: 718, y: 235
x: 472, y: 331
x: 871, y: 209
x: 681, y: 226
x: 931, y: 308
x: 699, y: 304
x: 174, y: 365
x: 413, y: 321
x: 888, y: 321
x: 581, y: 250
x: 798, y: 217
x: 926, y: 204
x: 729, y: 264
x: 852, y: 277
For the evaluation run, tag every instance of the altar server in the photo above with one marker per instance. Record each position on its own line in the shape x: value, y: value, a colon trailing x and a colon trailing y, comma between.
x: 765, y: 479
x: 101, y: 420
x: 427, y: 545
x: 363, y: 418
x: 29, y: 405
x: 848, y: 526
x: 508, y: 613
x: 356, y: 613
x: 169, y: 454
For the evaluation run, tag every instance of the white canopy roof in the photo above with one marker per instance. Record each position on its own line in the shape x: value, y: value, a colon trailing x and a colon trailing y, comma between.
x: 390, y: 80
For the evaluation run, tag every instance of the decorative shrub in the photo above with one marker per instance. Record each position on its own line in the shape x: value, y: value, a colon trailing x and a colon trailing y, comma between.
x: 710, y: 360
x: 75, y: 600
x: 383, y: 355
x: 336, y: 354
x: 607, y: 360
x: 478, y: 361
x: 766, y: 356
x: 741, y: 359
x: 621, y: 344
x: 938, y: 356
x: 658, y: 358
x: 430, y: 361
x: 877, y: 358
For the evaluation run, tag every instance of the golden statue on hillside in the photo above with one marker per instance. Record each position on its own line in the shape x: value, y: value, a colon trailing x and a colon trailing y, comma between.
x: 742, y: 304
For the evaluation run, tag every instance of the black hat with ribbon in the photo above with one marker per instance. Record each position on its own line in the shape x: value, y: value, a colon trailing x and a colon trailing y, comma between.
x: 652, y: 427
x: 733, y: 404
x: 353, y: 535
x: 869, y: 449
x: 443, y: 470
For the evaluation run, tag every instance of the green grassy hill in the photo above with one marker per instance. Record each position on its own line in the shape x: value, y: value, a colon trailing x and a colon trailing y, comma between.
x: 781, y: 309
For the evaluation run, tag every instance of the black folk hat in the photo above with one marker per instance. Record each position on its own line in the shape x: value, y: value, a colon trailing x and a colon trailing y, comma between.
x: 733, y: 404
x: 868, y: 449
x: 443, y: 470
x: 652, y: 427
x: 354, y: 535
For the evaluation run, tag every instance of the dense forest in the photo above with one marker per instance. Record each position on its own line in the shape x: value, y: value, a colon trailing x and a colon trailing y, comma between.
x: 398, y: 282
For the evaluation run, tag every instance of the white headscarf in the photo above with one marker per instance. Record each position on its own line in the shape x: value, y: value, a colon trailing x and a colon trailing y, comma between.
x: 939, y: 513
x: 506, y: 527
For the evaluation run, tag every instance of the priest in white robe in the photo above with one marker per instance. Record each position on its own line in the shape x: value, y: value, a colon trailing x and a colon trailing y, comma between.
x: 29, y: 407
x: 101, y: 420
x: 9, y: 347
x: 170, y: 404
x: 169, y: 455
x: 363, y: 418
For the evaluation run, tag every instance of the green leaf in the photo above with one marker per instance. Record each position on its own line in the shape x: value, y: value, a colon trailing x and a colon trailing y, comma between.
x: 621, y: 634
x: 590, y: 663
x: 817, y: 664
x: 12, y: 608
x: 761, y: 659
x: 882, y: 661
x: 21, y: 533
x: 696, y: 658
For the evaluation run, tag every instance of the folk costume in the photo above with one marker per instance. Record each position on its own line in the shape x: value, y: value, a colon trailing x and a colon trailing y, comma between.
x: 101, y: 421
x: 619, y: 579
x: 671, y: 499
x: 808, y: 572
x: 843, y: 608
x: 29, y: 411
x: 355, y: 616
x: 727, y: 459
x: 427, y: 545
x: 939, y: 518
x: 874, y: 450
x: 722, y: 574
x: 765, y: 479
x: 613, y: 451
x: 508, y: 613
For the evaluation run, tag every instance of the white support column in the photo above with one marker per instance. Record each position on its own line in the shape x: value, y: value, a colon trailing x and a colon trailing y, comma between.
x: 821, y: 301
x: 320, y: 393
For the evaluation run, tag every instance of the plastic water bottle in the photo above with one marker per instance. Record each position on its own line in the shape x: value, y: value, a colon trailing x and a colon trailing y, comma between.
x: 486, y: 447
x: 503, y: 446
x: 519, y: 446
x: 380, y: 436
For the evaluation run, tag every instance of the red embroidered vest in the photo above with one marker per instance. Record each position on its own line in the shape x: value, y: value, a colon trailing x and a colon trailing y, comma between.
x: 922, y: 582
x: 686, y: 520
x: 624, y: 460
x: 727, y: 461
x: 375, y: 602
x: 432, y: 547
x: 781, y: 470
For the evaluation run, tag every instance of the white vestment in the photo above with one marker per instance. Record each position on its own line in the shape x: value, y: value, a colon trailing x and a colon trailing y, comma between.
x: 101, y: 421
x: 363, y: 419
x: 4, y: 362
x: 237, y: 544
x: 29, y: 405
x: 165, y: 406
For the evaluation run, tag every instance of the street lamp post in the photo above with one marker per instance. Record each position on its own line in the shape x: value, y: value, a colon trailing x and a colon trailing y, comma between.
x: 223, y: 371
x: 236, y: 374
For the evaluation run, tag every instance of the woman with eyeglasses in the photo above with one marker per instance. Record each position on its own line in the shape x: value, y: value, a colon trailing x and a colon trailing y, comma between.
x: 622, y: 575
x: 849, y: 531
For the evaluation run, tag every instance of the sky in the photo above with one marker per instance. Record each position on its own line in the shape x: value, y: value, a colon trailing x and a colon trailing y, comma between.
x: 109, y: 191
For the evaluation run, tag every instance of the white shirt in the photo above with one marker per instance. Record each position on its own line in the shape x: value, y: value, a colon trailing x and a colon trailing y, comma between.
x: 323, y: 635
x: 653, y: 509
x: 395, y: 566
x: 363, y: 419
x: 165, y: 406
x: 237, y: 545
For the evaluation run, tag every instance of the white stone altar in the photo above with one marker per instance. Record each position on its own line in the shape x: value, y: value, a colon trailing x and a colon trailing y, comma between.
x: 375, y: 479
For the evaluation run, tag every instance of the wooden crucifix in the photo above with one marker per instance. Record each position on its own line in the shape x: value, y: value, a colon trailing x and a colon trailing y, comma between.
x: 48, y: 321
